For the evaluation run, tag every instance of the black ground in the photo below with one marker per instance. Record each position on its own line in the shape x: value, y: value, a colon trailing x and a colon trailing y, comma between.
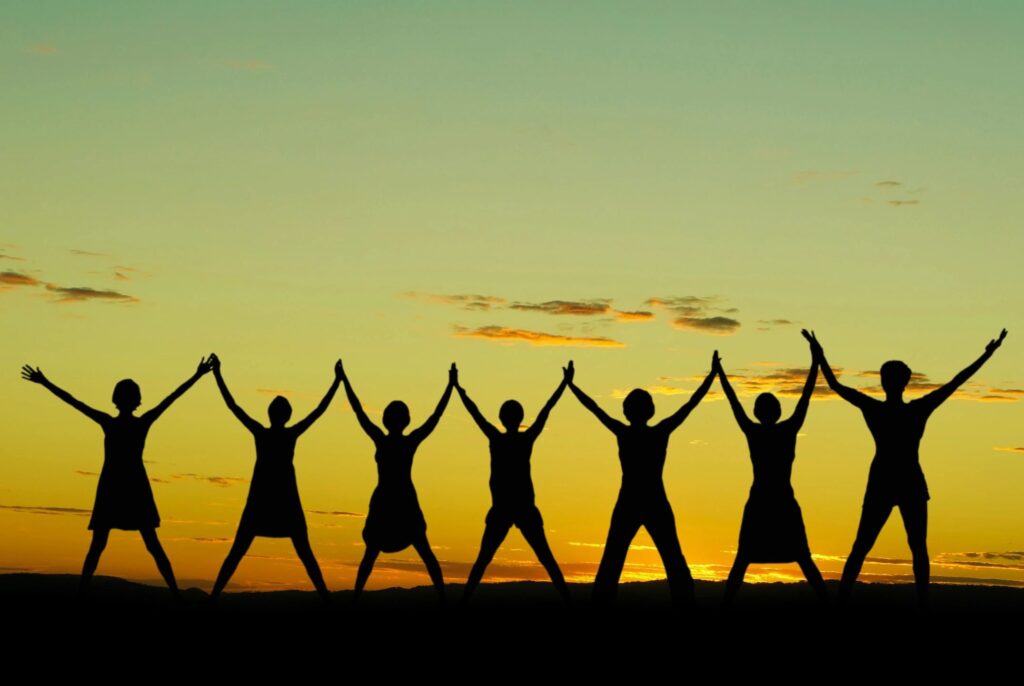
x: 511, y: 630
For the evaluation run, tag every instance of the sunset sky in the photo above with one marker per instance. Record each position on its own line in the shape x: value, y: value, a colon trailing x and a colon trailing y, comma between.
x: 507, y: 186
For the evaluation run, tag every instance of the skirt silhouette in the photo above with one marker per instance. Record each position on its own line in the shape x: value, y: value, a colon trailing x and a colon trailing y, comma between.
x: 395, y: 520
x: 773, y: 529
x: 273, y: 508
x: 124, y: 499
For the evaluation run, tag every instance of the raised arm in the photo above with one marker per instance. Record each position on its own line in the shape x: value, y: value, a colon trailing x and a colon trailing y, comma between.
x: 542, y: 416
x: 737, y: 409
x: 36, y: 376
x: 371, y: 429
x: 850, y: 395
x: 301, y: 426
x: 205, y: 364
x: 613, y: 425
x: 800, y: 413
x: 672, y: 422
x: 940, y: 395
x: 489, y: 429
x: 247, y: 421
x: 428, y: 426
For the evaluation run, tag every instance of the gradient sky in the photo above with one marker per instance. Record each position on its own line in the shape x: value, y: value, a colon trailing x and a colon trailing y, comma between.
x: 287, y: 186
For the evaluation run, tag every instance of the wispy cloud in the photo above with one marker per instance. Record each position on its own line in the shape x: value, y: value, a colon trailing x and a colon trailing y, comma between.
x: 902, y: 203
x: 769, y: 324
x: 87, y: 253
x: 10, y: 278
x: 72, y: 294
x: 701, y: 313
x: 47, y: 510
x: 570, y: 307
x: 82, y: 472
x: 337, y: 513
x: 4, y: 256
x: 1008, y: 449
x: 889, y: 184
x: 633, y: 316
x: 43, y: 49
x: 467, y: 301
x: 507, y: 334
x: 221, y: 481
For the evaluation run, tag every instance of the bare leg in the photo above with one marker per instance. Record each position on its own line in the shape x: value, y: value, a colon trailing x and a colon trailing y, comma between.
x: 735, y: 580
x: 872, y: 519
x: 149, y: 537
x: 365, y: 567
x: 662, y: 528
x: 238, y: 549
x: 814, y: 578
x: 534, y: 535
x: 620, y: 534
x: 92, y: 558
x: 494, y: 534
x: 305, y: 553
x: 422, y: 547
x: 915, y: 521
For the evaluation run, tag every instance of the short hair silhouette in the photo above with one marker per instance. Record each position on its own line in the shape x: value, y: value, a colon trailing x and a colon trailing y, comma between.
x: 396, y: 416
x: 127, y: 395
x: 511, y: 415
x: 767, y: 408
x: 279, y: 411
x: 638, y: 406
x: 895, y: 376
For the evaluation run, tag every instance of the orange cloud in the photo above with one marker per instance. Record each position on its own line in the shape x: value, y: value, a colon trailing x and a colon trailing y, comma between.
x: 634, y: 316
x: 504, y: 333
x: 573, y: 307
x: 9, y: 278
x: 717, y: 326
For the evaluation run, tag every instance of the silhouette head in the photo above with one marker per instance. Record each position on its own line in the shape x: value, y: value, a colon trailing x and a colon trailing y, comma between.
x: 767, y: 408
x: 396, y: 417
x: 511, y: 415
x: 895, y: 377
x: 279, y: 411
x: 127, y: 395
x: 638, y: 406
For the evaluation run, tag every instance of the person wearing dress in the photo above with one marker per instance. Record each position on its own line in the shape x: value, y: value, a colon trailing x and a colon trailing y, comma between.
x: 124, y: 497
x: 512, y: 494
x: 773, y: 526
x: 273, y: 508
x: 642, y: 499
x: 394, y: 520
x: 895, y: 478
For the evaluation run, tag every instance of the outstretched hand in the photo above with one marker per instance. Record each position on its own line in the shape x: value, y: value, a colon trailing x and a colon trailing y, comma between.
x: 33, y: 375
x: 568, y: 373
x: 339, y: 370
x: 816, y: 348
x: 214, y: 362
x: 453, y: 376
x: 205, y: 365
x: 994, y: 344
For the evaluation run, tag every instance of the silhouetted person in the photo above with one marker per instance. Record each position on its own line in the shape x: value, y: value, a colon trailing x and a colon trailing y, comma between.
x: 895, y: 478
x: 642, y: 499
x: 773, y: 527
x: 273, y: 508
x: 395, y: 520
x: 512, y: 499
x: 124, y: 497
